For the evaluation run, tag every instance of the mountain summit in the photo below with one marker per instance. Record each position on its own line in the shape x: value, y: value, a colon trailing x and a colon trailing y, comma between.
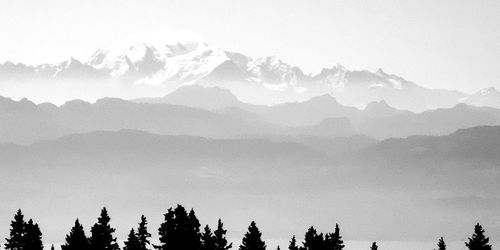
x: 154, y: 70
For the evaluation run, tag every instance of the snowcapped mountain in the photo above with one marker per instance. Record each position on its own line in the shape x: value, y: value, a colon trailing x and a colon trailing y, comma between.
x: 358, y: 88
x: 154, y: 70
x: 149, y: 64
x: 489, y: 97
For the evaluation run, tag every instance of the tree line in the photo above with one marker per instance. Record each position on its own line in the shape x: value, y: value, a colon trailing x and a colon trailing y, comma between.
x: 181, y: 230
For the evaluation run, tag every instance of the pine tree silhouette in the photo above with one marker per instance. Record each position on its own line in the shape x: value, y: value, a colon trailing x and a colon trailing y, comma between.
x: 278, y: 248
x: 478, y: 241
x: 102, y: 234
x: 207, y: 239
x: 17, y: 232
x: 142, y: 234
x: 313, y: 240
x: 252, y: 239
x: 32, y: 237
x: 179, y: 231
x: 194, y: 235
x: 220, y: 237
x: 76, y: 239
x: 441, y: 244
x: 132, y: 242
x: 293, y: 244
x: 167, y: 232
x: 52, y: 247
x: 374, y: 246
x: 333, y: 241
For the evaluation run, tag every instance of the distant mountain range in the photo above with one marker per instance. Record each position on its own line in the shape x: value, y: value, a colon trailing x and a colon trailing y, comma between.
x: 145, y: 70
x: 176, y: 114
x: 377, y: 119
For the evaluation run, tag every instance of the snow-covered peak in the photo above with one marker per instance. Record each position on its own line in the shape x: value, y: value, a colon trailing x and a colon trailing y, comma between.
x: 142, y: 59
x: 381, y: 72
x: 334, y: 77
x: 71, y: 62
x: 267, y: 64
x: 327, y: 72
x: 488, y: 91
x: 484, y: 97
x: 268, y: 61
x: 140, y: 52
x: 185, y: 68
x: 271, y: 69
x: 121, y: 62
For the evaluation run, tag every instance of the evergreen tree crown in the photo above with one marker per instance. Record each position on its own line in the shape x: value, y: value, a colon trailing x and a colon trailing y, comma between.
x: 102, y: 234
x: 76, y: 239
x: 252, y: 239
x: 478, y: 241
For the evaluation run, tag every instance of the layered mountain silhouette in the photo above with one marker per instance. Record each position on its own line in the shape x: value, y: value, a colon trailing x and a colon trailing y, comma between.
x: 426, y: 175
x: 146, y: 70
x: 26, y: 122
x: 477, y: 146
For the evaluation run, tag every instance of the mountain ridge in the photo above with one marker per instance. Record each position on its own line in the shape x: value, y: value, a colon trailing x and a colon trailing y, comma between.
x: 163, y: 68
x: 25, y: 121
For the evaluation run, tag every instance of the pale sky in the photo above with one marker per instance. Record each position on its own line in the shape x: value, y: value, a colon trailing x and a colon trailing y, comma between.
x: 453, y: 44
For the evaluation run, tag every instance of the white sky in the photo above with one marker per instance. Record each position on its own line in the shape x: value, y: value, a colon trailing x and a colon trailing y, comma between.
x: 452, y: 44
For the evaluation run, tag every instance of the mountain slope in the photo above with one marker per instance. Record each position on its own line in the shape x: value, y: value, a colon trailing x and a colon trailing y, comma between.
x: 471, y: 149
x: 195, y: 96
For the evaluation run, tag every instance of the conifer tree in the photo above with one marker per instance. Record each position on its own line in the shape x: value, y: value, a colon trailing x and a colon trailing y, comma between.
x: 252, y: 239
x: 167, y: 232
x: 374, y: 246
x: 313, y: 240
x: 293, y: 244
x: 179, y: 230
x: 220, y: 237
x: 52, y: 247
x: 194, y: 235
x: 76, y: 239
x: 278, y: 248
x: 333, y: 240
x: 102, y: 234
x: 478, y: 241
x: 17, y: 232
x: 142, y: 234
x: 207, y: 239
x: 132, y: 242
x: 33, y: 236
x: 441, y: 244
x: 309, y: 239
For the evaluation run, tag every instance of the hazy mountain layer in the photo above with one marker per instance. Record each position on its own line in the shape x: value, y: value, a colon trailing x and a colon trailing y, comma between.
x: 421, y: 186
x: 26, y: 122
x: 377, y: 119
